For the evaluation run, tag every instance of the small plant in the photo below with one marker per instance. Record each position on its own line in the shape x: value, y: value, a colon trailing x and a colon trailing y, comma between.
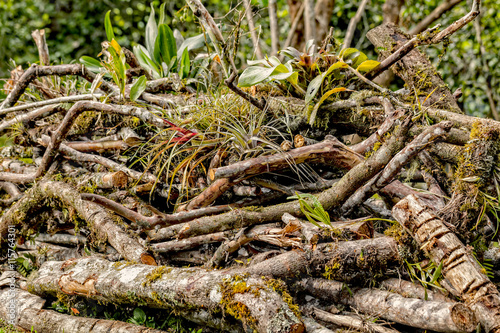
x: 313, y: 210
x: 427, y: 273
x: 160, y: 57
x: 26, y: 264
x: 309, y: 72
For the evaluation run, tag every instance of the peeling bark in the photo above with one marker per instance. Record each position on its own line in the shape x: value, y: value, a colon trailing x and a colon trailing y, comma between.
x: 250, y: 300
x: 459, y: 266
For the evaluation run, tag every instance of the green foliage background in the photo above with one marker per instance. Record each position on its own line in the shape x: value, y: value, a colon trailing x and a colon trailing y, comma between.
x: 75, y: 28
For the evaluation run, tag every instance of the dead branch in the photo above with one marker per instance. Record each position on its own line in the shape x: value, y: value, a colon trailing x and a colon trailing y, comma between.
x: 351, y: 28
x: 253, y: 303
x: 459, y: 266
x: 432, y: 315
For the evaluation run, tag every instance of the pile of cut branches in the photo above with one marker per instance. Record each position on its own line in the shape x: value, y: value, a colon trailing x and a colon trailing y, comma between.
x: 300, y: 196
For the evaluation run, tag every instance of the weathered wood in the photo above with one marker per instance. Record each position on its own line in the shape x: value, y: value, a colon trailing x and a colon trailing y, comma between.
x: 250, y: 300
x: 415, y: 68
x: 412, y: 290
x: 331, y: 152
x: 430, y: 315
x: 343, y: 260
x: 459, y: 266
x: 351, y: 322
x: 99, y: 221
x: 31, y: 317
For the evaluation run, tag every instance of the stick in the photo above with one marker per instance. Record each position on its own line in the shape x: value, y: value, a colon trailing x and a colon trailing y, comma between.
x: 353, y: 23
x: 37, y: 71
x: 415, y: 41
x: 433, y: 16
x: 273, y: 26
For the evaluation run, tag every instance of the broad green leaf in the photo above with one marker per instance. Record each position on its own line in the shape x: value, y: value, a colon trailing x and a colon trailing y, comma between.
x: 185, y: 65
x: 162, y: 14
x: 151, y: 31
x: 313, y: 88
x: 315, y: 84
x: 139, y: 315
x: 258, y: 62
x: 281, y: 72
x: 165, y: 47
x: 352, y: 55
x: 192, y: 43
x: 347, y: 52
x: 172, y: 66
x: 92, y: 64
x: 274, y: 61
x: 109, y: 28
x: 337, y: 65
x: 291, y: 52
x: 294, y: 78
x: 142, y: 56
x: 253, y: 75
x: 359, y: 60
x: 171, y: 45
x: 138, y: 88
x: 368, y: 65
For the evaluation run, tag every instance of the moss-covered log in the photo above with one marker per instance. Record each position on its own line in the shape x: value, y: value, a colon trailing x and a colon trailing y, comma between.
x: 432, y: 315
x: 222, y: 296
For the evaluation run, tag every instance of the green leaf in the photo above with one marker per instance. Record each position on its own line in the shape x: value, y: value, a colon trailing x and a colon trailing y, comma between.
x: 162, y: 14
x: 144, y: 59
x: 92, y: 64
x: 151, y: 31
x: 192, y: 43
x: 185, y: 65
x: 359, y: 60
x: 337, y: 65
x: 139, y: 315
x: 315, y: 84
x: 168, y: 47
x: 280, y: 72
x: 344, y: 54
x: 138, y: 88
x: 253, y: 75
x: 437, y: 273
x: 258, y: 62
x: 367, y: 65
x: 313, y: 88
x: 109, y: 28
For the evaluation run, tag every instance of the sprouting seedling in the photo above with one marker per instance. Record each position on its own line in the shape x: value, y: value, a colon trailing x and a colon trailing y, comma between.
x: 313, y: 209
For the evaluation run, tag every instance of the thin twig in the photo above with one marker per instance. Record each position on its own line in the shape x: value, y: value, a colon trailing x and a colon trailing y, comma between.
x: 251, y: 27
x: 416, y: 41
x: 65, y: 99
x: 433, y: 16
x: 353, y: 23
x: 273, y: 25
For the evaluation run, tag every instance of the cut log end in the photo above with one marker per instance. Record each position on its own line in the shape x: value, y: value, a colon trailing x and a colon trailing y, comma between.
x: 463, y: 317
x: 148, y: 259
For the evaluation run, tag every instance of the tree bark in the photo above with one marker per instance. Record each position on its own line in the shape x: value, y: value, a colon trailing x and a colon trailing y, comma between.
x: 250, y: 300
x: 415, y: 68
x: 430, y: 315
x: 459, y: 266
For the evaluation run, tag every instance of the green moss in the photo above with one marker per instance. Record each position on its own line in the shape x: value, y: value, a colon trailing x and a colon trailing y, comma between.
x: 280, y: 287
x: 331, y: 271
x: 230, y: 287
x: 156, y: 274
